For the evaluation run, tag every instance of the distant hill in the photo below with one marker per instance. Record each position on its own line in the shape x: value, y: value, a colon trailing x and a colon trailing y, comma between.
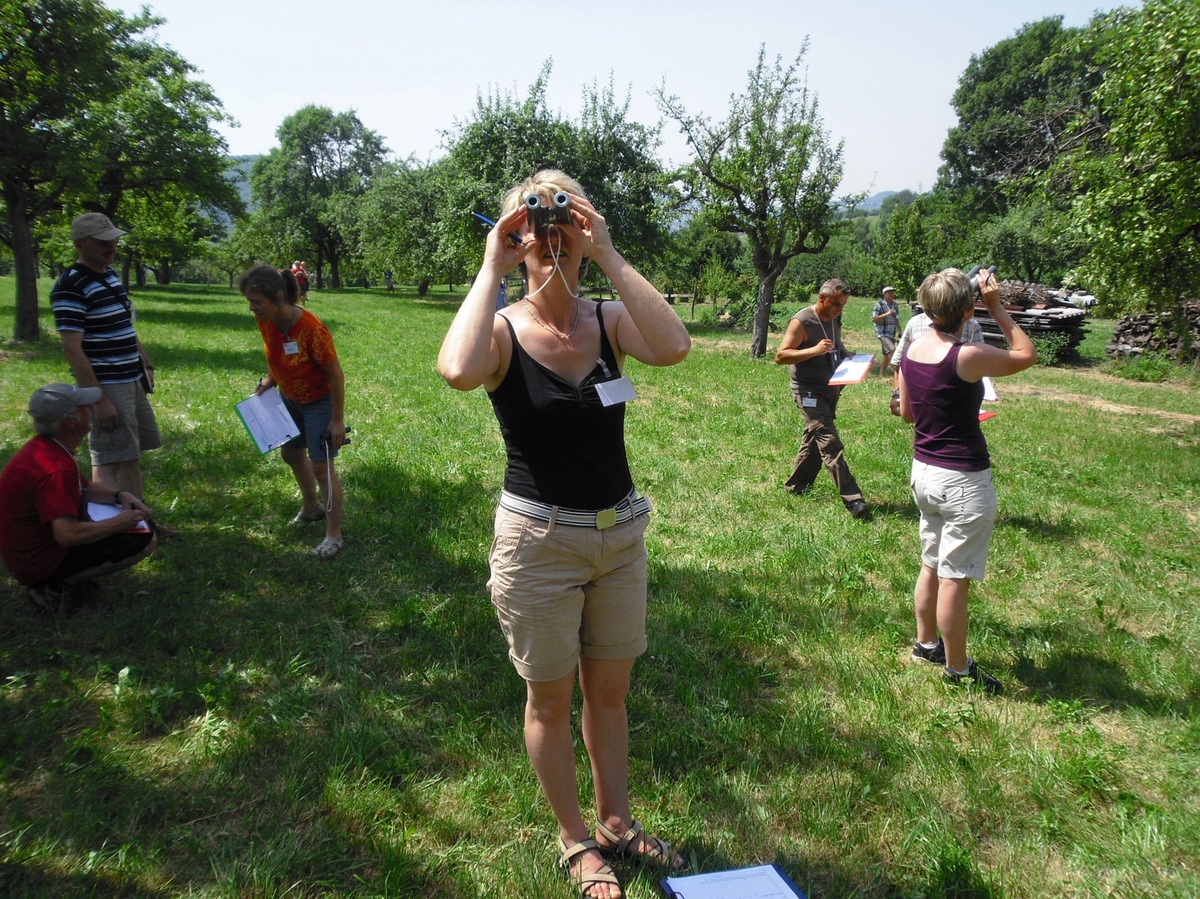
x: 239, y: 173
x: 873, y: 202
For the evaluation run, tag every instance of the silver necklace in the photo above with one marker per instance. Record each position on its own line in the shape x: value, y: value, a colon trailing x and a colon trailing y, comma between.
x: 561, y: 336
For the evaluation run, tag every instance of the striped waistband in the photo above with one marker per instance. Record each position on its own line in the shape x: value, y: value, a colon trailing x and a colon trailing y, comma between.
x: 626, y: 510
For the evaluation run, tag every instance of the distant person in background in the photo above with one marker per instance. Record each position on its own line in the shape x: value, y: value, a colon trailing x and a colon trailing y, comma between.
x: 812, y: 346
x: 95, y: 323
x: 303, y: 364
x: 387, y: 280
x: 47, y: 540
x: 940, y: 393
x: 886, y: 316
x: 300, y: 273
x: 502, y: 294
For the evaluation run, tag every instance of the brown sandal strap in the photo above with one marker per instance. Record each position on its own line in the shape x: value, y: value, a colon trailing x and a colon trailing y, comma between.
x: 584, y: 880
x: 654, y: 849
x: 567, y: 854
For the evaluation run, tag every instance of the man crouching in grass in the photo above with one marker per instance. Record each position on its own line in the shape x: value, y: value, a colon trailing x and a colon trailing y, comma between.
x: 48, y: 541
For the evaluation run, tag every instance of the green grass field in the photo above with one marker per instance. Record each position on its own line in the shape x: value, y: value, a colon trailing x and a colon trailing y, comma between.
x: 236, y: 719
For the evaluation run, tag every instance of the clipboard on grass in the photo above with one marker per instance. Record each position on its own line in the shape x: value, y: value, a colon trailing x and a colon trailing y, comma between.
x: 758, y: 881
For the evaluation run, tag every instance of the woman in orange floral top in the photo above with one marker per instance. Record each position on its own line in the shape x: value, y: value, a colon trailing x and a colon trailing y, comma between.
x: 303, y: 364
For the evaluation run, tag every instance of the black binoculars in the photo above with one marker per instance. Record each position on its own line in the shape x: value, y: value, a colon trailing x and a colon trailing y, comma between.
x: 541, y: 217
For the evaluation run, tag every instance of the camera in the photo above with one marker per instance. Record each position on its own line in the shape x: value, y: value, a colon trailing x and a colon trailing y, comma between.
x: 327, y: 436
x: 541, y: 217
x: 974, y: 274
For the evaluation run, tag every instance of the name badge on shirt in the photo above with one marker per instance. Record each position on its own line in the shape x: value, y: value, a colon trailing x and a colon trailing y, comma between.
x: 808, y: 402
x: 291, y: 347
x: 618, y: 391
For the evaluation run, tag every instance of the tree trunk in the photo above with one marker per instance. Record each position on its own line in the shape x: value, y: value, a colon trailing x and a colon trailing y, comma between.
x: 762, y: 314
x: 26, y: 326
x: 423, y: 287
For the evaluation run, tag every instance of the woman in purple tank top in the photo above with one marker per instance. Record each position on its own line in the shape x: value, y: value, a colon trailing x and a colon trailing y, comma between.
x: 940, y: 392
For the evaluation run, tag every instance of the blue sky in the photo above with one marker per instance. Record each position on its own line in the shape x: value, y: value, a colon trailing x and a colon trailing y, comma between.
x: 884, y: 72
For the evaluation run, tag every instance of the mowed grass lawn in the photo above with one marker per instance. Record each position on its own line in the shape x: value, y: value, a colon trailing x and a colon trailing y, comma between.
x: 236, y: 719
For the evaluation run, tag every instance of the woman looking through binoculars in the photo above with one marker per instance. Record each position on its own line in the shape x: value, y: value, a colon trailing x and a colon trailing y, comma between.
x: 568, y: 563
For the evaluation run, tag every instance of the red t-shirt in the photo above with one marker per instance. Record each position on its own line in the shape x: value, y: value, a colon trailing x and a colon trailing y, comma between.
x: 40, y: 483
x: 299, y: 375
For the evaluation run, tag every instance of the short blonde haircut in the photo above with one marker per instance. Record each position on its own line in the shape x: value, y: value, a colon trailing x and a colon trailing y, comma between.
x: 545, y: 184
x: 946, y: 297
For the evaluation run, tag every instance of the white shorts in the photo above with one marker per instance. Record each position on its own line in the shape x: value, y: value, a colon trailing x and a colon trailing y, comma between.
x: 958, y: 511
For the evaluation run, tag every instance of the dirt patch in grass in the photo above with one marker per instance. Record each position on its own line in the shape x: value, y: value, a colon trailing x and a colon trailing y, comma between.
x: 1100, y: 405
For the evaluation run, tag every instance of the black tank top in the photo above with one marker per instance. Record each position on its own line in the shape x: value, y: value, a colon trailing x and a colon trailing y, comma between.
x: 564, y: 447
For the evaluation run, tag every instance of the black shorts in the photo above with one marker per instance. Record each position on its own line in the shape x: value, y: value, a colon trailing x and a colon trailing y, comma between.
x: 114, y: 548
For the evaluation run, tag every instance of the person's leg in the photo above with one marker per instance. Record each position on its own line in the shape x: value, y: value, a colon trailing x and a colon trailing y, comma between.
x: 832, y: 455
x: 952, y: 619
x: 605, y: 684
x: 297, y: 460
x: 330, y: 484
x: 808, y: 460
x: 125, y: 475
x: 108, y: 567
x: 551, y: 752
x: 925, y: 605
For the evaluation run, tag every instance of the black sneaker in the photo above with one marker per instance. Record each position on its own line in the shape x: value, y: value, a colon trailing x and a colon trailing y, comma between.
x: 937, y: 655
x: 974, y: 675
x: 859, y: 509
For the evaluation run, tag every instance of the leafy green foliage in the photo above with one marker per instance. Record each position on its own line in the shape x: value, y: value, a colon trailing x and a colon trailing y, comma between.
x: 305, y: 189
x: 1014, y: 102
x: 1135, y: 207
x: 509, y: 138
x: 93, y: 116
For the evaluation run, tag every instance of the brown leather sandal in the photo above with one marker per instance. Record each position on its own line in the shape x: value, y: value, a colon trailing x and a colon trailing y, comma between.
x: 584, y: 881
x: 654, y: 851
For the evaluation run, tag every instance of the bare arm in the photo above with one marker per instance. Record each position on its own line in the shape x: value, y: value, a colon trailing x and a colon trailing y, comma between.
x: 69, y: 531
x: 905, y: 405
x: 470, y: 353
x: 81, y: 368
x: 337, y: 395
x: 796, y: 334
x: 976, y: 360
x: 648, y: 330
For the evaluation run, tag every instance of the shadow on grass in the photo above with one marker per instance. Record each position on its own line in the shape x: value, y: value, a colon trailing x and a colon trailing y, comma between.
x: 247, y: 718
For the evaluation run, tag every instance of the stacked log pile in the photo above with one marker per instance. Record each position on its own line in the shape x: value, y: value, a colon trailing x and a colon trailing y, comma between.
x: 1175, y: 334
x: 1041, y: 311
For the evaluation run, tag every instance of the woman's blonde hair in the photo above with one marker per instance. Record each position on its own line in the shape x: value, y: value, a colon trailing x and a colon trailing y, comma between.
x: 545, y: 184
x: 946, y: 297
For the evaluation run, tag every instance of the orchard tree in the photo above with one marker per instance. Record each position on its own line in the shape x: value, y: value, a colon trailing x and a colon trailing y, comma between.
x: 396, y: 226
x: 301, y: 187
x: 1021, y: 104
x: 1135, y: 206
x: 768, y: 171
x: 92, y: 114
x: 508, y: 138
x: 160, y: 157
x: 57, y: 57
x: 1028, y: 242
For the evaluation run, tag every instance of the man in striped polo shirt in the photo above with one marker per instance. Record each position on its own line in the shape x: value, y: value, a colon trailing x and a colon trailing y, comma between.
x: 94, y: 320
